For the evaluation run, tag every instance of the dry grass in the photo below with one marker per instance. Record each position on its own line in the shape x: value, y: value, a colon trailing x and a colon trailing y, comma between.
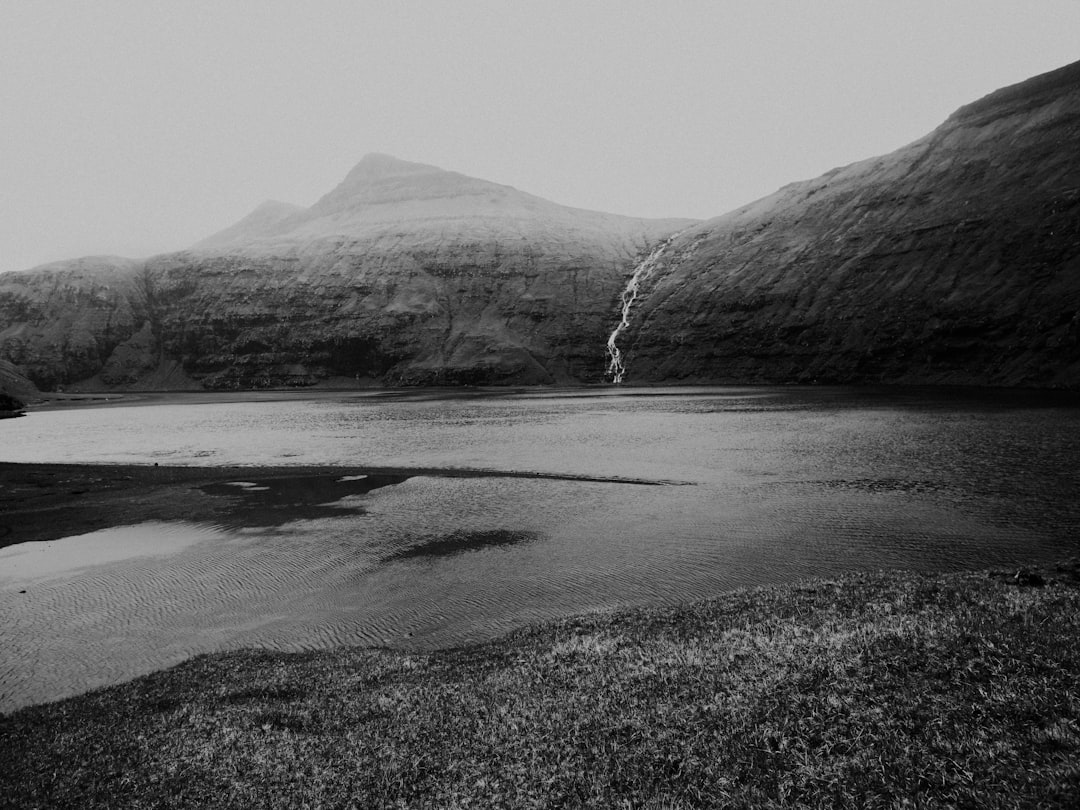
x: 881, y: 690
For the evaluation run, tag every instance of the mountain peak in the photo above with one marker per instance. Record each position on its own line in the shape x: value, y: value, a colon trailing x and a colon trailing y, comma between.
x: 378, y: 166
x: 380, y: 179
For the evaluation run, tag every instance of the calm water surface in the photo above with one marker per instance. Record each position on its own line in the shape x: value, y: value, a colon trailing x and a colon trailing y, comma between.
x: 717, y: 488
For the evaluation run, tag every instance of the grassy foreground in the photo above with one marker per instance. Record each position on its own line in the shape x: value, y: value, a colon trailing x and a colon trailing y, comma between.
x: 876, y: 690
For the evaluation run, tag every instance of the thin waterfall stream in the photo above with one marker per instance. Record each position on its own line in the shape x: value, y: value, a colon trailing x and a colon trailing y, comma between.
x: 617, y: 365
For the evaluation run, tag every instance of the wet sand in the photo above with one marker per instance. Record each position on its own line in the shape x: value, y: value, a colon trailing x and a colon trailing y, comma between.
x: 48, y: 501
x: 113, y: 571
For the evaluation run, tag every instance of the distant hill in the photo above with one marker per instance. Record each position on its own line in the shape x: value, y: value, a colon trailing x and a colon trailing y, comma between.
x: 266, y: 220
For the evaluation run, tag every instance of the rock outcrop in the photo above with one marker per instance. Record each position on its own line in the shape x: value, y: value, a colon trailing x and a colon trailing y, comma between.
x: 953, y: 260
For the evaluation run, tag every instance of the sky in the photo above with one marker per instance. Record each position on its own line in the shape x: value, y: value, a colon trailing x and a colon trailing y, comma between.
x: 135, y: 127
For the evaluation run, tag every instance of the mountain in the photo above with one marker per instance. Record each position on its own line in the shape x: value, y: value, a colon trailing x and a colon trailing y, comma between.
x: 953, y: 260
x: 403, y: 274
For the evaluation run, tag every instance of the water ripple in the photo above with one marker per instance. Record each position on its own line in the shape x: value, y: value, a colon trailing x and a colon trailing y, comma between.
x: 494, y: 512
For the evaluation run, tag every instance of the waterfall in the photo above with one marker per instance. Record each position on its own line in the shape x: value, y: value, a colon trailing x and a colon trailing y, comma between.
x: 617, y: 367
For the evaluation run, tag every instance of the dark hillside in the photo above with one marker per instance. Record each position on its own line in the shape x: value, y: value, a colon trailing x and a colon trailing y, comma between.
x: 953, y: 260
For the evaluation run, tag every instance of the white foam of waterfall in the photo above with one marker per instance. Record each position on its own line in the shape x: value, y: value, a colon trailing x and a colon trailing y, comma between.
x: 617, y: 365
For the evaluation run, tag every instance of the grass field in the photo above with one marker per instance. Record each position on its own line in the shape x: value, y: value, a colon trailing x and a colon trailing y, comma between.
x: 882, y: 690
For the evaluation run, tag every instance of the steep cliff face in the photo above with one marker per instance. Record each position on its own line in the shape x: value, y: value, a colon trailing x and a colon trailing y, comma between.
x: 953, y: 260
x: 403, y: 274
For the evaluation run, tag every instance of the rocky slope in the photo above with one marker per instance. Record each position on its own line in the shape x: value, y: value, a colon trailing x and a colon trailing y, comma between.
x: 954, y: 260
x: 403, y: 274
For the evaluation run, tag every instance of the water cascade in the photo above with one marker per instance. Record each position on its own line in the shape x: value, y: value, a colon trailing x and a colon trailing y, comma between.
x: 616, y: 367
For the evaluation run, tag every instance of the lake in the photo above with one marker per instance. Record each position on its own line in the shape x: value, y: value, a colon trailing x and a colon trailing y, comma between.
x: 619, y: 497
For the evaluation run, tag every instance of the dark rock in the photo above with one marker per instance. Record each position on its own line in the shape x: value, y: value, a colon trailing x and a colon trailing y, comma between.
x: 16, y: 391
x: 10, y: 407
x: 1030, y: 579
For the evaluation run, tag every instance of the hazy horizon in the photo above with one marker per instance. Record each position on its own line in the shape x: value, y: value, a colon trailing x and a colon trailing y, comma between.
x: 135, y: 128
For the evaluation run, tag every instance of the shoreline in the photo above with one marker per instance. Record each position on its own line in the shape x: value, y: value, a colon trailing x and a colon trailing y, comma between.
x: 860, y: 690
x: 864, y: 690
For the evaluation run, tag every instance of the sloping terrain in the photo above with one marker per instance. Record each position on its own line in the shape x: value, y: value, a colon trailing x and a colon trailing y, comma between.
x: 954, y: 260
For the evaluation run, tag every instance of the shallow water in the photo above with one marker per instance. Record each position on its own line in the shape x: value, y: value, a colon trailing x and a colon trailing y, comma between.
x: 751, y: 486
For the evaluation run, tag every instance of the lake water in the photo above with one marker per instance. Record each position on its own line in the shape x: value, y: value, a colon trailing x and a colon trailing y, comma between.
x: 646, y: 496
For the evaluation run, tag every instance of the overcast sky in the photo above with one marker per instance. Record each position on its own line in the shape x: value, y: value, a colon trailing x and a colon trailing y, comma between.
x: 136, y: 127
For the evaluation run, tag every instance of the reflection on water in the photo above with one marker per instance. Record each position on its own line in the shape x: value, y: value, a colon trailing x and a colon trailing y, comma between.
x: 27, y: 562
x: 783, y: 484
